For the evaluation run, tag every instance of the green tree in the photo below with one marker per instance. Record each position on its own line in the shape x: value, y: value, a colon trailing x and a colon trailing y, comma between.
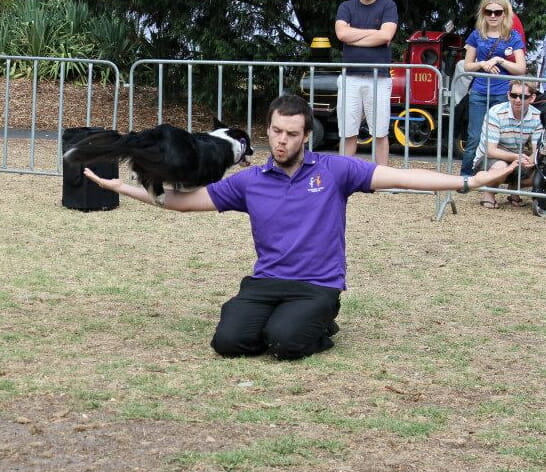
x: 281, y: 29
x: 58, y: 28
x: 433, y: 14
x: 278, y: 30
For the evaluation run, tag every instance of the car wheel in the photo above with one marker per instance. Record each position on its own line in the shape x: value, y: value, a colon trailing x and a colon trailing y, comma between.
x: 420, y: 128
x: 317, y: 137
x: 364, y: 137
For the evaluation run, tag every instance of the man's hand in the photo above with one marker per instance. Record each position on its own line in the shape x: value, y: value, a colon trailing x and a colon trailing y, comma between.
x: 491, y: 177
x: 525, y: 161
x: 113, y: 185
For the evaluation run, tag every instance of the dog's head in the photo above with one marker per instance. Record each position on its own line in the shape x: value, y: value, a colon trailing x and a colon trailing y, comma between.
x: 239, y: 139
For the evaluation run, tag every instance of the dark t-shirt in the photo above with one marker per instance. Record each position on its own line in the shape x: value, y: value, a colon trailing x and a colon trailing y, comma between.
x: 371, y: 16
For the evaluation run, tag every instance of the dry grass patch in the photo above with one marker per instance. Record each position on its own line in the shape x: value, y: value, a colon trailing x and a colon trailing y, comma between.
x: 107, y: 316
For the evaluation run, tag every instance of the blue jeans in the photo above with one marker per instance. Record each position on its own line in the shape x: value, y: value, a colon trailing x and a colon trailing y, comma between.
x: 477, y: 108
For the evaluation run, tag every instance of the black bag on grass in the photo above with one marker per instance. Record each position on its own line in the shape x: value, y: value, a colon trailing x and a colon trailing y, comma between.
x: 79, y: 192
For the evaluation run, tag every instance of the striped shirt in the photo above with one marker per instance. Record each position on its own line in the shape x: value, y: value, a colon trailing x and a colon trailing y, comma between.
x: 501, y: 127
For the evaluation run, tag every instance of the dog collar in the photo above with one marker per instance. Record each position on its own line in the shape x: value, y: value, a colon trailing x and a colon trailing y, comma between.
x: 243, y: 148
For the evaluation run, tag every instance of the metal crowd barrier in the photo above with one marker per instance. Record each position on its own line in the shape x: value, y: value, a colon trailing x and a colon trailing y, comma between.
x: 279, y: 67
x: 280, y: 72
x: 445, y: 97
x: 29, y: 166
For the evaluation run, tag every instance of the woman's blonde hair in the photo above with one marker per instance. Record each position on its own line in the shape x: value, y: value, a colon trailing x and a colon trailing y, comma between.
x: 507, y: 18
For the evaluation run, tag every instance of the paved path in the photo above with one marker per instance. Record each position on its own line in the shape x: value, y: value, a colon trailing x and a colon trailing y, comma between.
x: 19, y: 133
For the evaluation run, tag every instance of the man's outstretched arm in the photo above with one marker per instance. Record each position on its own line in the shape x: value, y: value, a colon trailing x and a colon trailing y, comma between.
x: 421, y: 179
x: 198, y: 200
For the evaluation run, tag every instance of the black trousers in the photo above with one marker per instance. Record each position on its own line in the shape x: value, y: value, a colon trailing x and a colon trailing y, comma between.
x: 288, y: 318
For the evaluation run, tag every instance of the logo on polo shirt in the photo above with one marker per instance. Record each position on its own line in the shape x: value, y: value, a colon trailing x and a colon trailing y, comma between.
x: 315, y: 184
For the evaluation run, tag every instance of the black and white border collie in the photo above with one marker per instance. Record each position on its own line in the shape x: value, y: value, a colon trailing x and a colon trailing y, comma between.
x: 166, y: 154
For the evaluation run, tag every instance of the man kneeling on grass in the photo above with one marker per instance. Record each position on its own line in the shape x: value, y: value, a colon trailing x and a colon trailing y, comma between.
x: 297, y: 208
x: 510, y: 133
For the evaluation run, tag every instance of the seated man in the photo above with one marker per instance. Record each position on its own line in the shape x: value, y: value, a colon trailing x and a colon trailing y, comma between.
x: 510, y: 132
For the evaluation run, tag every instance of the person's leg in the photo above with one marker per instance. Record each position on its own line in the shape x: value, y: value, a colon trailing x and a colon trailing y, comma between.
x: 378, y: 114
x: 488, y: 199
x: 525, y: 180
x: 382, y: 150
x: 350, y: 146
x: 242, y: 320
x: 349, y: 113
x: 303, y: 323
x: 496, y: 99
x: 476, y: 111
x: 291, y: 319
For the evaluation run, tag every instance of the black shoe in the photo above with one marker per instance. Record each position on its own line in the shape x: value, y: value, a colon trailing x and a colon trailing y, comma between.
x: 324, y: 344
x: 332, y: 328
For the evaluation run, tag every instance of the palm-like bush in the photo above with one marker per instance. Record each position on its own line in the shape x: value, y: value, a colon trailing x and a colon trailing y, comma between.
x: 116, y: 39
x: 58, y: 28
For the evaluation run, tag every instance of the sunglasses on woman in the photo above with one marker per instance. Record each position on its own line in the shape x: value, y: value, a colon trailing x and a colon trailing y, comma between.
x: 489, y: 12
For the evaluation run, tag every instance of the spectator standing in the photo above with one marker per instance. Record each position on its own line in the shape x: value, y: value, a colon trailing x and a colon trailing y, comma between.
x: 511, y: 133
x: 488, y: 47
x: 366, y: 29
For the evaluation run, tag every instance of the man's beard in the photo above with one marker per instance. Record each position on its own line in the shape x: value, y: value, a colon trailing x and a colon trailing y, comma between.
x: 292, y: 160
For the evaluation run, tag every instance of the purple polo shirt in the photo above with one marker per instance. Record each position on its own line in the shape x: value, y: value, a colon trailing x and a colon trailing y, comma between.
x: 298, y: 223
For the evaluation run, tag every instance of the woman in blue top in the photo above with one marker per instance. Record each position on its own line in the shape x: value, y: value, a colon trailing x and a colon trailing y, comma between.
x: 493, y: 48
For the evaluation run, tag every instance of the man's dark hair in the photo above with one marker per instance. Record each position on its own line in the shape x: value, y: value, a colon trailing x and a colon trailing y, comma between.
x: 289, y: 105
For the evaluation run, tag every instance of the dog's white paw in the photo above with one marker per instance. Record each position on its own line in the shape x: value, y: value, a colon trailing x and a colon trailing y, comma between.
x: 159, y: 200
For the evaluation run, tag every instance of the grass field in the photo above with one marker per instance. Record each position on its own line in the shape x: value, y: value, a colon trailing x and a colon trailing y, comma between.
x: 106, y: 318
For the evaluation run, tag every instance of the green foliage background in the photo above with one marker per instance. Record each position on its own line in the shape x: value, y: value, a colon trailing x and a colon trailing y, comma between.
x: 65, y: 29
x: 279, y: 29
x: 265, y: 30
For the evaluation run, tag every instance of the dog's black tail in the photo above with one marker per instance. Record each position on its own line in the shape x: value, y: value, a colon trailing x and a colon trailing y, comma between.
x: 98, y: 146
x: 148, y: 147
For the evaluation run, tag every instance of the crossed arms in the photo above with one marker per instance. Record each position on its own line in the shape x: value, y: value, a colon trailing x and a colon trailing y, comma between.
x: 365, y: 37
x: 492, y: 65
